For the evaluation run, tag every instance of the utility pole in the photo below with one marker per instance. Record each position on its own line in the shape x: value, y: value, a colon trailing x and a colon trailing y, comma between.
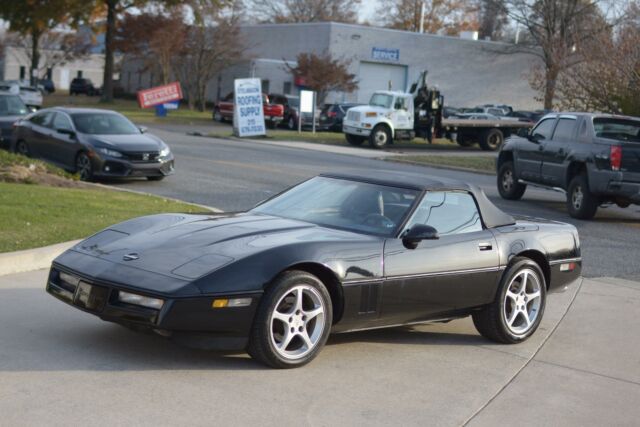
x: 422, y: 17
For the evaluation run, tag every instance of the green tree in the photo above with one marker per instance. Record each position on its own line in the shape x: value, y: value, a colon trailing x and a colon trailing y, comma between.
x: 34, y: 18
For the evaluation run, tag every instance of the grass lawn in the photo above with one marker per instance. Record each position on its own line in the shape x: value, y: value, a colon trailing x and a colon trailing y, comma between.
x: 130, y: 109
x: 34, y: 215
x: 336, y: 138
x: 474, y: 163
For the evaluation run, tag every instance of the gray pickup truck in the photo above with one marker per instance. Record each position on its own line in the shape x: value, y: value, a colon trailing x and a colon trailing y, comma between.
x: 593, y: 158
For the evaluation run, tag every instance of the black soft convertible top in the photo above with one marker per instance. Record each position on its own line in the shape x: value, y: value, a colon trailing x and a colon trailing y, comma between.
x: 492, y: 216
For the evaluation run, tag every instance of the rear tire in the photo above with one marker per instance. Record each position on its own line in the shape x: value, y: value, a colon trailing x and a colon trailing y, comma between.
x: 354, y: 139
x: 23, y: 148
x: 293, y: 321
x: 491, y: 139
x: 291, y: 123
x: 217, y: 116
x: 464, y: 140
x: 380, y: 136
x: 581, y: 203
x: 508, y: 187
x: 517, y: 310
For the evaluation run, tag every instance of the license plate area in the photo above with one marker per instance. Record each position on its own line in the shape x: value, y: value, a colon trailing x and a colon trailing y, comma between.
x: 90, y: 297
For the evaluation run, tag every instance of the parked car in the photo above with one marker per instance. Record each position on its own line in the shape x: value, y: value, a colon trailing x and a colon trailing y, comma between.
x: 593, y: 158
x: 93, y: 143
x: 336, y: 253
x: 332, y: 115
x: 273, y: 113
x: 83, y: 86
x: 11, y: 109
x: 48, y: 85
x: 497, y: 109
x: 30, y: 95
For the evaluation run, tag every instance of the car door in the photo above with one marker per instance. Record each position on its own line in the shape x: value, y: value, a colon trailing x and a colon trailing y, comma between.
x: 39, y: 131
x: 528, y: 156
x: 556, y: 149
x: 402, y: 119
x: 456, y: 271
x: 63, y: 141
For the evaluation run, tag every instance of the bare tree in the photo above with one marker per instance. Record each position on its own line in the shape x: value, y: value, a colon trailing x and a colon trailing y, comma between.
x: 306, y: 10
x: 492, y: 19
x: 556, y: 32
x: 324, y: 74
x: 55, y: 48
x: 608, y: 77
x: 440, y: 16
x: 211, y: 45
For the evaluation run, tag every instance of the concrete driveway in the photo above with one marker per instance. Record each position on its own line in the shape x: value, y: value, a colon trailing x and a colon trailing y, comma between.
x: 59, y: 366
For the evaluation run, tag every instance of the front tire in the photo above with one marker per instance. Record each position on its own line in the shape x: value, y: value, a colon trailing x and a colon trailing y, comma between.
x: 517, y: 310
x: 380, y: 136
x: 293, y: 321
x: 581, y: 203
x: 84, y: 167
x: 508, y: 187
x: 23, y: 148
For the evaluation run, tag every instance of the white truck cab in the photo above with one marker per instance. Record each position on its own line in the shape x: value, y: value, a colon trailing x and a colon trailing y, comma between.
x: 388, y: 116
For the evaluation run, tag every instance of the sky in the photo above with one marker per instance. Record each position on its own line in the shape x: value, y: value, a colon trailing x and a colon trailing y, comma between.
x: 368, y: 9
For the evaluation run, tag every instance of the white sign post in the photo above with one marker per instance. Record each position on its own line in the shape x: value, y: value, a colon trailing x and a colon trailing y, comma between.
x: 248, y: 115
x: 307, y: 105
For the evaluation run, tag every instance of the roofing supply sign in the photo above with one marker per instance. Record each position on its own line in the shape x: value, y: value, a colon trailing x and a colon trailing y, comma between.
x: 160, y: 95
x: 248, y: 113
x: 382, y: 54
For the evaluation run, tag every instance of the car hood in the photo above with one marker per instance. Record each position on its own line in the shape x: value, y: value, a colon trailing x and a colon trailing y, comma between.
x: 189, y: 246
x: 369, y: 108
x: 132, y: 143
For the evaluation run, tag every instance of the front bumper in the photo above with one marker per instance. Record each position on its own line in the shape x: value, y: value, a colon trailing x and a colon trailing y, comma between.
x: 112, y: 167
x: 189, y: 320
x: 353, y: 130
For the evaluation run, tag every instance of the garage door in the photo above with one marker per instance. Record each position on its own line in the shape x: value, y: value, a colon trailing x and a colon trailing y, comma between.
x: 373, y: 76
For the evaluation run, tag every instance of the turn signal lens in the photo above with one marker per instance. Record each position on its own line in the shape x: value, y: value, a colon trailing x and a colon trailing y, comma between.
x: 570, y: 266
x: 371, y: 114
x: 233, y: 302
x: 219, y: 303
x: 616, y: 157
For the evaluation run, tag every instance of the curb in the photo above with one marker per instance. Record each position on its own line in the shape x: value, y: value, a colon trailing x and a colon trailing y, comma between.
x: 427, y: 165
x: 32, y: 259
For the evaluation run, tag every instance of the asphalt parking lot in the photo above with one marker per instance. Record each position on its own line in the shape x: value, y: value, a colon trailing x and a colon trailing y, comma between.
x: 59, y: 366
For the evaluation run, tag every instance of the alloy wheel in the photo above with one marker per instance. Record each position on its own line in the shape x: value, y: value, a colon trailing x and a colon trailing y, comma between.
x: 22, y: 148
x: 576, y: 197
x: 297, y: 322
x: 83, y: 166
x: 380, y: 138
x: 507, y: 180
x: 522, y: 302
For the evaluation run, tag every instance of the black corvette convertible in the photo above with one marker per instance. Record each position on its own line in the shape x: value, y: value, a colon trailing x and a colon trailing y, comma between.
x: 336, y: 253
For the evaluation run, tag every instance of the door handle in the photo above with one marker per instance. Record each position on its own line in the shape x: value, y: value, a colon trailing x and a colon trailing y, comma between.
x: 484, y: 246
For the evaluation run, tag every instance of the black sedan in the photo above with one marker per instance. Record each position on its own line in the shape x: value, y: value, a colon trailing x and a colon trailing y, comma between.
x: 332, y: 115
x: 11, y: 110
x: 336, y: 253
x: 94, y: 143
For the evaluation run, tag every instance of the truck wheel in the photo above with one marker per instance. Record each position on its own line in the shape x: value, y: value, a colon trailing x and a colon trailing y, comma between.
x: 380, y: 136
x: 508, y: 186
x: 354, y: 139
x: 491, y: 139
x: 581, y: 203
x: 217, y: 116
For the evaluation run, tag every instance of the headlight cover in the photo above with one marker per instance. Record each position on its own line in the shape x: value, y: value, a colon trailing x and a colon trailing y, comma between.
x: 135, y: 299
x: 108, y: 152
x: 165, y: 152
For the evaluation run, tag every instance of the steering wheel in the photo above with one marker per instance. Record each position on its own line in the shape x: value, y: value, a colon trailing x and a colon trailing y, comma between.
x: 378, y: 220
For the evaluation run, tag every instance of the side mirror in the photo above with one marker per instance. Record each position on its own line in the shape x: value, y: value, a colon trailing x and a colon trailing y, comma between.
x: 418, y: 233
x: 523, y: 132
x: 143, y: 129
x: 68, y: 132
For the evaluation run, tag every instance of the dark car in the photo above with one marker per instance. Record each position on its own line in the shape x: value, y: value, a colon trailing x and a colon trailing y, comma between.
x: 332, y: 115
x: 527, y: 116
x: 94, y: 143
x: 11, y: 110
x: 82, y: 86
x: 336, y: 253
x: 48, y: 85
x: 593, y: 158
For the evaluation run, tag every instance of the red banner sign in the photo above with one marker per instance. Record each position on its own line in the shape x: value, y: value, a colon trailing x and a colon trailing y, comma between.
x: 159, y: 95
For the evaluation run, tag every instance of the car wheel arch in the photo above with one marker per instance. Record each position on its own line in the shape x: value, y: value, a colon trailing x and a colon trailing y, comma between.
x: 540, y: 259
x: 575, y: 168
x: 328, y: 278
x: 505, y: 156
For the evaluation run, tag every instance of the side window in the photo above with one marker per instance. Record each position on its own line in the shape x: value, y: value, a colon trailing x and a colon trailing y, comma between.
x: 448, y: 212
x: 544, y: 129
x: 60, y: 121
x: 400, y: 104
x: 564, y: 129
x: 42, y: 119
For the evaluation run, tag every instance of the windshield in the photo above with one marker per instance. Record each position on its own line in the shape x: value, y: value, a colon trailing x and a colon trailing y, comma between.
x: 103, y: 124
x: 619, y: 129
x: 12, y: 106
x: 381, y: 100
x: 339, y: 203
